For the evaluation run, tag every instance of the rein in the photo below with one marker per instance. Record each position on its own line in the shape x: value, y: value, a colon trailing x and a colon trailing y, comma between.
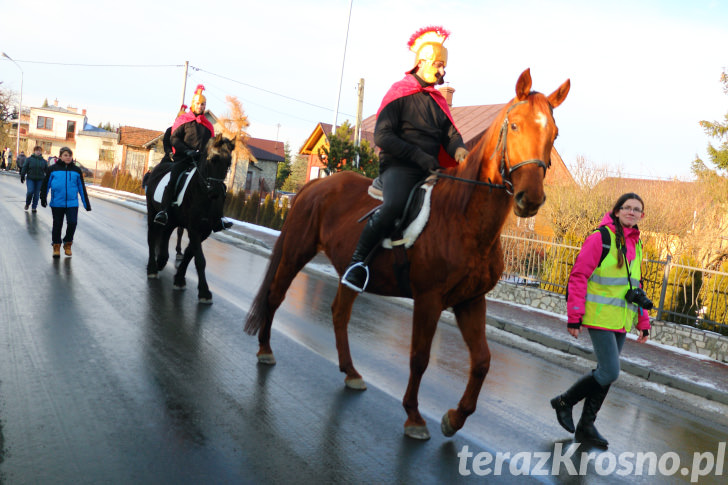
x: 506, y: 169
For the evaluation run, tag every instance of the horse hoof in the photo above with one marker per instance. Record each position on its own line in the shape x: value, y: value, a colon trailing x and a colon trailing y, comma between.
x: 267, y: 359
x: 205, y: 301
x: 153, y: 276
x: 446, y: 427
x: 419, y: 432
x: 179, y: 287
x: 356, y: 383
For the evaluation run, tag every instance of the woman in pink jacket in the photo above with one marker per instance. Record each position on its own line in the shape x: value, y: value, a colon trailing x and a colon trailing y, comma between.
x: 605, y: 297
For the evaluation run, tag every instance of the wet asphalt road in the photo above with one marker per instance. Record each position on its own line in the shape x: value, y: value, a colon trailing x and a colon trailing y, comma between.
x: 107, y: 377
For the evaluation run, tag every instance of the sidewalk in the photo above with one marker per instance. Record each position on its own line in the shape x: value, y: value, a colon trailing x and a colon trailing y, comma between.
x: 656, y: 363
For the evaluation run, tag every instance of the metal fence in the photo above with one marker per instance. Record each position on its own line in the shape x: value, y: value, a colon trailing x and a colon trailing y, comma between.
x: 681, y: 293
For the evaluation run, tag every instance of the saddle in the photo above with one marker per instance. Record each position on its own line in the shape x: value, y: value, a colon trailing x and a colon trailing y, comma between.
x: 180, y: 187
x: 407, y: 228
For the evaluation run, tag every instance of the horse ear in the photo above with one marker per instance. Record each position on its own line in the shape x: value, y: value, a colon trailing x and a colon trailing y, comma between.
x: 558, y: 96
x: 523, y: 86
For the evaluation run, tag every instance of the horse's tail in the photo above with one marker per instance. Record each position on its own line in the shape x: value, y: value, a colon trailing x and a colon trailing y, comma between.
x: 288, y: 257
x: 261, y: 313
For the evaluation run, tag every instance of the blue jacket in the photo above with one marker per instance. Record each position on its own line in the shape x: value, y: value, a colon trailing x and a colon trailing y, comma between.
x: 65, y: 183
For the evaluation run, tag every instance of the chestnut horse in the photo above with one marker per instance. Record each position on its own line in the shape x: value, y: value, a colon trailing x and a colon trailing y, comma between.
x: 455, y: 261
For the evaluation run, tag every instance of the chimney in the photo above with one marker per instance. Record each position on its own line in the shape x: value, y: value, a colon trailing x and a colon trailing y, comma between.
x: 447, y: 91
x: 83, y: 111
x: 55, y: 102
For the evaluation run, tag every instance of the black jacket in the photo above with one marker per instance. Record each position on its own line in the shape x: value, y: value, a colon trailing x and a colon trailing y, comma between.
x: 190, y: 136
x: 410, y: 131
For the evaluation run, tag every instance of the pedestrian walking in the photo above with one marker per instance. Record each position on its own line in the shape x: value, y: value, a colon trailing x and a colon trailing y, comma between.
x: 2, y: 158
x: 605, y: 296
x: 21, y: 160
x: 32, y: 174
x: 65, y: 181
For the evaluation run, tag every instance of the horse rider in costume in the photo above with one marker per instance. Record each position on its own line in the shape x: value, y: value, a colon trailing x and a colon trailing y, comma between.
x: 416, y: 134
x: 189, y: 136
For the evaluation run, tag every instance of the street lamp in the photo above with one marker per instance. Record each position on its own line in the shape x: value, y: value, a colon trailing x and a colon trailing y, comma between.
x: 20, y: 107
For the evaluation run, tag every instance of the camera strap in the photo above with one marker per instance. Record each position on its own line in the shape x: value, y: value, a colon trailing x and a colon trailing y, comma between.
x: 626, y: 263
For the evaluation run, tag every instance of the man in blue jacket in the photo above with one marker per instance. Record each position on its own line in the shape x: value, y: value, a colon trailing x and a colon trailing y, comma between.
x: 65, y: 181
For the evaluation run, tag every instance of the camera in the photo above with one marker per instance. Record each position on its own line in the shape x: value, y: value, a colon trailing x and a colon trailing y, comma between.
x: 639, y: 298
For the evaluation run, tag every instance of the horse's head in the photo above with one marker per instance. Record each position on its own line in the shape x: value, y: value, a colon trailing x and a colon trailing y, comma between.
x: 522, y: 147
x: 219, y: 155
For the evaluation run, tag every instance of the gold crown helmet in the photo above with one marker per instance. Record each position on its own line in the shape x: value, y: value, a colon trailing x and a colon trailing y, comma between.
x: 426, y: 43
x: 182, y: 110
x: 198, y: 98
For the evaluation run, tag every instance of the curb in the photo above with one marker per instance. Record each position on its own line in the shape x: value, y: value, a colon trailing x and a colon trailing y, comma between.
x: 635, y: 369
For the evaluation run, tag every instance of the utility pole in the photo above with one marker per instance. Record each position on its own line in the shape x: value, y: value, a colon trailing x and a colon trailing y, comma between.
x: 359, y: 109
x: 184, y: 83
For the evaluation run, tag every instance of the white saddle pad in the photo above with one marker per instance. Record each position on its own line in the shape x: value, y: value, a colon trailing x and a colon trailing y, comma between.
x: 159, y: 191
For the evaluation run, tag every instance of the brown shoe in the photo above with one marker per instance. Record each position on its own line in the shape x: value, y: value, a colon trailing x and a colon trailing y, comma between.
x: 67, y: 248
x: 56, y: 250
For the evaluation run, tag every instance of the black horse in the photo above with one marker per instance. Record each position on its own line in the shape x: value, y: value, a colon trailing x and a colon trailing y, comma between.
x: 200, y: 210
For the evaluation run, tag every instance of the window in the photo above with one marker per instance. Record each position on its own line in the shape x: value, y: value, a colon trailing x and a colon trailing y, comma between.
x: 44, y: 123
x: 106, y: 155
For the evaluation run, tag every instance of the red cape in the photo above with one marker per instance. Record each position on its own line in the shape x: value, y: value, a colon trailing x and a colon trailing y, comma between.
x: 410, y: 85
x: 190, y: 116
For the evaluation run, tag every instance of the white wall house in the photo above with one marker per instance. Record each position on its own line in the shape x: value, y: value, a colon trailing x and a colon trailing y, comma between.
x: 53, y: 127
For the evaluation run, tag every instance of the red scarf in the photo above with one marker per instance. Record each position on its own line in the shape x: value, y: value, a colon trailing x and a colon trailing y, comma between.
x: 410, y: 85
x: 190, y: 116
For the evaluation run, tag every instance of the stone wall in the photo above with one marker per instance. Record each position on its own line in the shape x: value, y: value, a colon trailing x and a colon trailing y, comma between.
x: 709, y: 344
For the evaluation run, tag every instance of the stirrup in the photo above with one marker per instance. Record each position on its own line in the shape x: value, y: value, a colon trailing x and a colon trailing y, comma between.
x: 351, y: 285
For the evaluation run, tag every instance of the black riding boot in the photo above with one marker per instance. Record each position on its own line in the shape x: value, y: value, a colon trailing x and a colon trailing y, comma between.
x: 585, y: 430
x: 161, y: 217
x: 356, y: 275
x: 565, y: 402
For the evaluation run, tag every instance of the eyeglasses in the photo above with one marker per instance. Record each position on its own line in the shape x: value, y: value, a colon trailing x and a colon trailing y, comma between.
x: 634, y: 210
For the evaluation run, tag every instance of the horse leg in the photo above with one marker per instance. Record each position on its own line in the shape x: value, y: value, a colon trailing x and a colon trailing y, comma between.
x: 203, y: 290
x: 341, y: 311
x: 470, y: 317
x: 427, y: 311
x: 152, y: 237
x: 179, y: 277
x: 178, y: 247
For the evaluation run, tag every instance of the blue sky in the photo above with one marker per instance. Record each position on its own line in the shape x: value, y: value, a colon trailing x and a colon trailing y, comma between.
x: 643, y: 73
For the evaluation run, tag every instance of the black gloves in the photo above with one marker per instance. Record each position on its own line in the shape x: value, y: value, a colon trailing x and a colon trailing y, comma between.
x: 43, y: 202
x: 22, y: 179
x: 193, y: 154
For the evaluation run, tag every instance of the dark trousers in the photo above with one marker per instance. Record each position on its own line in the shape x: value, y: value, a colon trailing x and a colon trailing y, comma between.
x: 397, y: 183
x: 71, y: 215
x: 33, y: 191
x: 169, y: 191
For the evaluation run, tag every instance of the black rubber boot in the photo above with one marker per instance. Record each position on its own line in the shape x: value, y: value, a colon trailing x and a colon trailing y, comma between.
x: 564, y: 403
x: 586, y: 432
x: 356, y: 275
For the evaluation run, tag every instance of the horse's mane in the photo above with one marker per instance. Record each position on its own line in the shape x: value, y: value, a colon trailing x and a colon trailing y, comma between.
x: 455, y: 194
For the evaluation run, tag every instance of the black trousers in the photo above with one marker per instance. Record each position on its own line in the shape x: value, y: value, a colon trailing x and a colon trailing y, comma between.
x: 71, y: 216
x: 397, y: 183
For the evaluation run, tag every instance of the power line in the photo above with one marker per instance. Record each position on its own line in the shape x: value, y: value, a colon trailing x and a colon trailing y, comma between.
x: 101, y: 65
x: 264, y: 90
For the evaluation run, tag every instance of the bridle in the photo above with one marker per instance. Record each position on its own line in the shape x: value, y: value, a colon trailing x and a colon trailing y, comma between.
x: 506, y: 169
x: 210, y: 183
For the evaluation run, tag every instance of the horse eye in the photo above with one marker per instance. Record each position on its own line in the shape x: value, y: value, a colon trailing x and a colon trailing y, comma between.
x: 514, y: 127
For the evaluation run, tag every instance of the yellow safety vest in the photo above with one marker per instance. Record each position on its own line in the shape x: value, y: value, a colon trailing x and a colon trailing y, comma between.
x: 605, y: 305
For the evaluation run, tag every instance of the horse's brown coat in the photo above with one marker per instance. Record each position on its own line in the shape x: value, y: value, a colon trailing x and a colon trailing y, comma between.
x: 454, y: 263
